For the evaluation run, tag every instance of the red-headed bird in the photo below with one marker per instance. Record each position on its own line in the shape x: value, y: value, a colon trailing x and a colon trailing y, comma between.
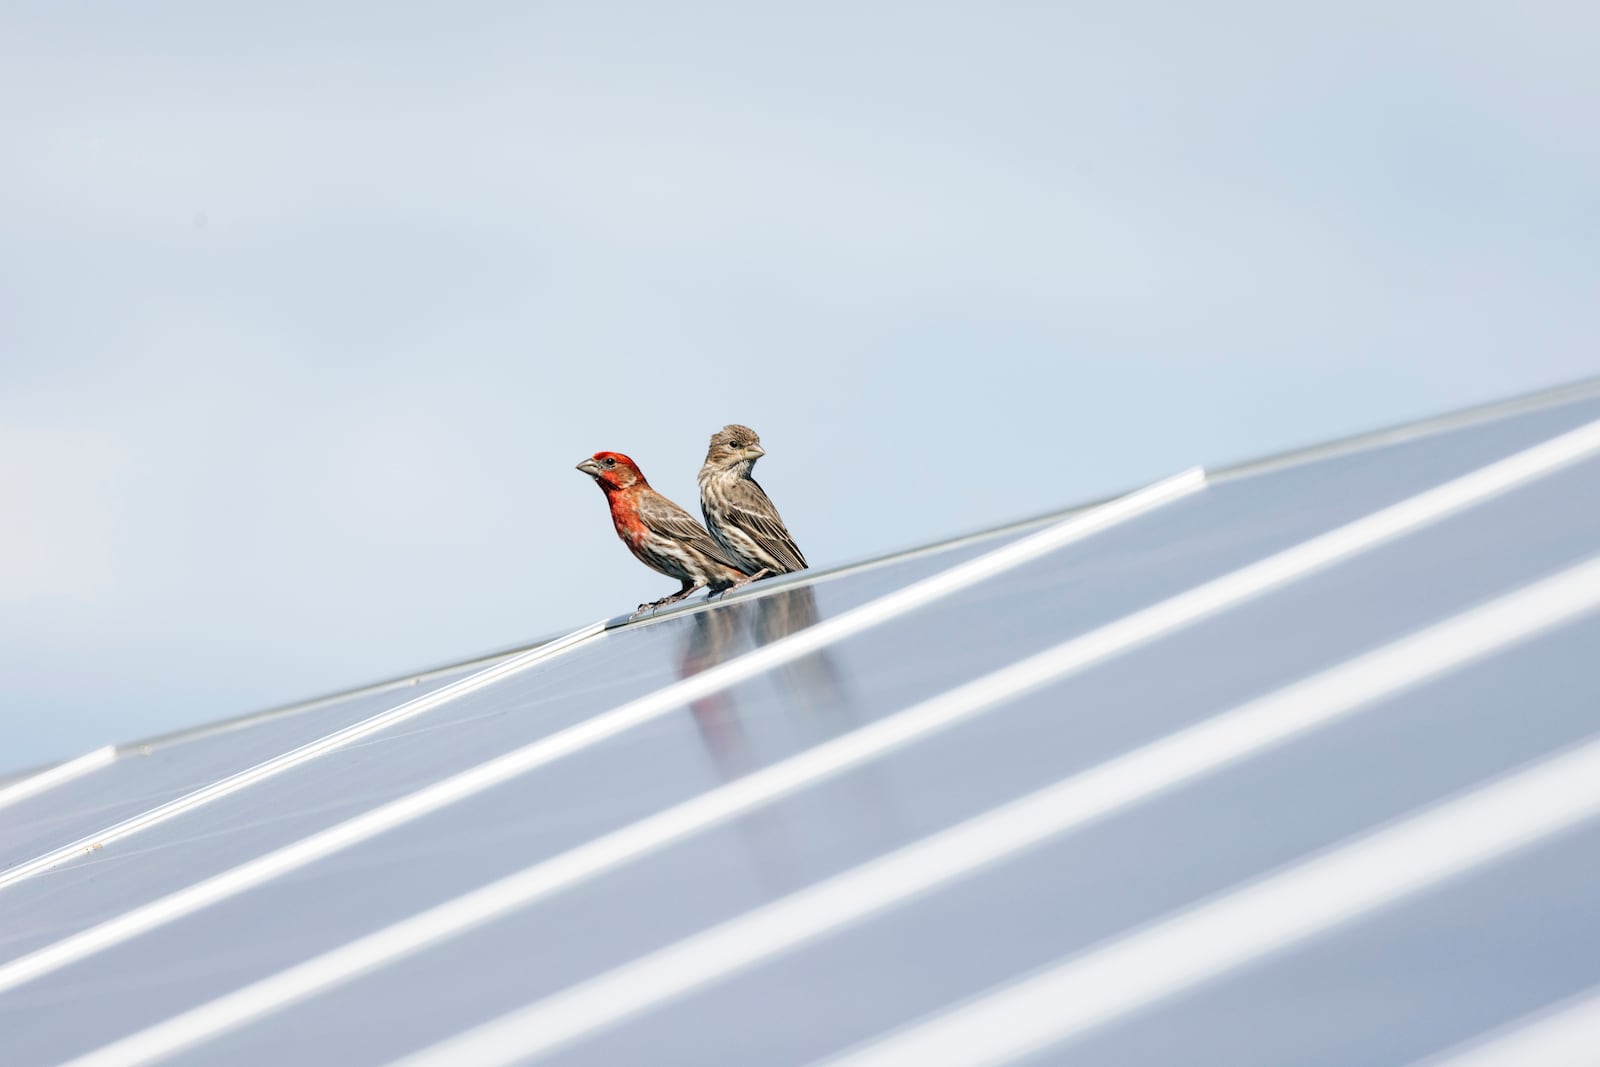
x: 658, y: 532
x: 737, y: 510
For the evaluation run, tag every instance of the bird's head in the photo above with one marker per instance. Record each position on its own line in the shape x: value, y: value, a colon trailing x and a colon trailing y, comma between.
x: 733, y: 446
x: 612, y: 470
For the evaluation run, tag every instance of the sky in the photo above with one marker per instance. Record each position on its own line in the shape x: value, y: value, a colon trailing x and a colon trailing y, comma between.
x: 307, y: 311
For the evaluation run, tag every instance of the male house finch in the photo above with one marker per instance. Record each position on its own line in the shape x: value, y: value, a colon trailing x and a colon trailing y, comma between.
x: 737, y: 510
x: 662, y: 535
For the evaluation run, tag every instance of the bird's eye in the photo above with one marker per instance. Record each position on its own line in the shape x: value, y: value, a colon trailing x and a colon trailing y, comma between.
x: 609, y: 462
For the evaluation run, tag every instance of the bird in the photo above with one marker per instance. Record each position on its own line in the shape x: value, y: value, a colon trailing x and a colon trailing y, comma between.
x: 737, y: 510
x: 659, y: 533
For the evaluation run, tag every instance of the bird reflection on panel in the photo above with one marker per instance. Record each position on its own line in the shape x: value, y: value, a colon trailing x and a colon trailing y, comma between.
x: 814, y: 705
x: 809, y: 686
x: 714, y: 637
x: 823, y: 707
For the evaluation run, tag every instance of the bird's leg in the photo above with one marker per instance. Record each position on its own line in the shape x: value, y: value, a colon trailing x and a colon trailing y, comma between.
x: 743, y: 581
x: 688, y: 587
x: 747, y: 579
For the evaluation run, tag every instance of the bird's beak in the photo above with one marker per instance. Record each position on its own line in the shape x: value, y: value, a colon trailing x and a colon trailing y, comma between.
x: 754, y: 452
x: 590, y: 467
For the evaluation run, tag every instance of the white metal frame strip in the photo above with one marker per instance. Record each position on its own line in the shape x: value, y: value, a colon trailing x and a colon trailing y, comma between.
x: 395, y: 942
x: 847, y: 899
x: 1567, y: 1035
x: 1245, y: 926
x: 592, y: 731
x: 54, y: 776
x: 278, y: 764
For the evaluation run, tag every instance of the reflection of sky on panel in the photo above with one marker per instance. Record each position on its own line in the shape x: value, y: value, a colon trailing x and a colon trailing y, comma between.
x: 1440, y: 981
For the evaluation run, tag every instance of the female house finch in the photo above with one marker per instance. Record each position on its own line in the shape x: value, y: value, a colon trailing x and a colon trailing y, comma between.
x: 737, y: 510
x: 662, y: 535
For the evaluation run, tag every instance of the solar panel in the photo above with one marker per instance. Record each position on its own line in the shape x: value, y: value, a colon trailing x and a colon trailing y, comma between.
x: 978, y: 930
x: 987, y: 762
x: 140, y: 777
x: 877, y: 812
x: 317, y: 793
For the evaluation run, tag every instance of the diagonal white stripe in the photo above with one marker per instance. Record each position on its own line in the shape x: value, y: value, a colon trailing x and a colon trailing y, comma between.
x: 54, y: 776
x: 1566, y: 1036
x: 278, y: 764
x: 1247, y: 925
x: 1094, y: 794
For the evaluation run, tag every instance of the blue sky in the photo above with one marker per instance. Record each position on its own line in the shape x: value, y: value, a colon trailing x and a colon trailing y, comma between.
x: 307, y: 313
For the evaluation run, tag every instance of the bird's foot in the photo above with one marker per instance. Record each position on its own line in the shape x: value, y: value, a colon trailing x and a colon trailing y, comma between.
x: 664, y: 601
x: 654, y: 604
x: 679, y: 595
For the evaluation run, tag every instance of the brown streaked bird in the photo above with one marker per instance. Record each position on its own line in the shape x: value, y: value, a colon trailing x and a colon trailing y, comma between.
x: 659, y: 533
x: 737, y: 510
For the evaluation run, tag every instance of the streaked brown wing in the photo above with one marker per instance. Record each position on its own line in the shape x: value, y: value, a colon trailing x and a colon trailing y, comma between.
x: 669, y: 520
x: 750, y: 509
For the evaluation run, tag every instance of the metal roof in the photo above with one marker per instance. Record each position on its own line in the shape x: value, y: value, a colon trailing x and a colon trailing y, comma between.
x: 1297, y: 762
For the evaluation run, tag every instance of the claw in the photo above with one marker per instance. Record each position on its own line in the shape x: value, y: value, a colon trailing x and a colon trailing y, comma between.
x: 642, y: 608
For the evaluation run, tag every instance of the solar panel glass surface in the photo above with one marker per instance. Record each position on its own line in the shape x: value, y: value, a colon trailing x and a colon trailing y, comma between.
x: 729, y: 734
x: 1022, y: 746
x: 1167, y: 854
x: 591, y: 677
x: 139, y: 780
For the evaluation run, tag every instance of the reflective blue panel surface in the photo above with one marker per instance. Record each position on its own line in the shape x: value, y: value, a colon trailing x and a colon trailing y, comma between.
x: 593, y: 677
x: 722, y: 737
x: 139, y: 781
x: 1013, y: 750
x: 1408, y: 982
x: 1090, y: 887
